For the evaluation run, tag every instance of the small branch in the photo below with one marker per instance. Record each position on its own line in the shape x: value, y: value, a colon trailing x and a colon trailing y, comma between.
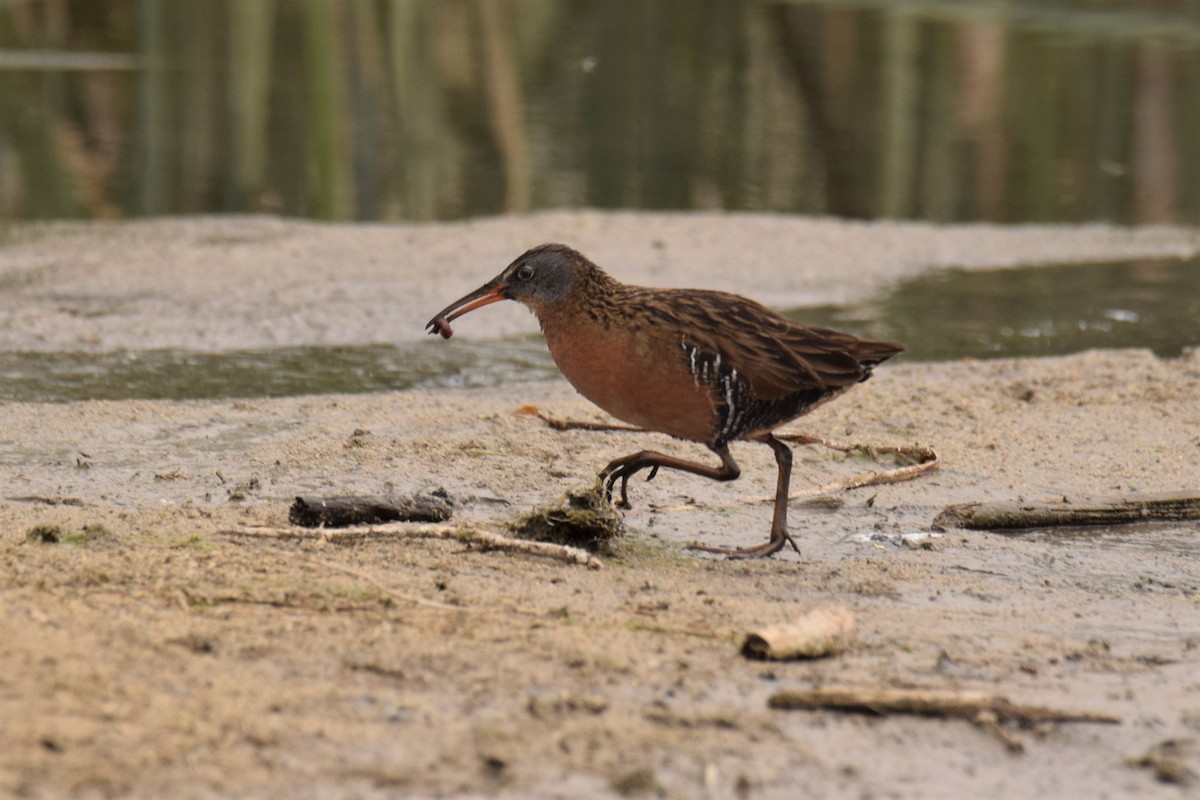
x: 467, y: 534
x: 928, y: 702
x: 808, y: 438
x: 576, y: 425
x: 1015, y: 514
x: 916, y: 460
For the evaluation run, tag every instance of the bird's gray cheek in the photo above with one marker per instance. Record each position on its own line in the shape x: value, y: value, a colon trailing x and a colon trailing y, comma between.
x: 555, y: 291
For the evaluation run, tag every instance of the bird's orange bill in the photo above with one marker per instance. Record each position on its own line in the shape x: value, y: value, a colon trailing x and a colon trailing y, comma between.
x: 491, y: 292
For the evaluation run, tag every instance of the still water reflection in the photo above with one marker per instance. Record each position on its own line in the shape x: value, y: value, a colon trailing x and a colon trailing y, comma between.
x: 1049, y: 310
x: 434, y: 109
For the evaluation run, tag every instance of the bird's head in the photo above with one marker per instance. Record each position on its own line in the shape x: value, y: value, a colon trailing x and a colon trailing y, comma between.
x: 539, y: 278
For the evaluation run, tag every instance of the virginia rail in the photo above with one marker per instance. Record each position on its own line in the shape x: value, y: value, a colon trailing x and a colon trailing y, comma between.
x: 703, y: 366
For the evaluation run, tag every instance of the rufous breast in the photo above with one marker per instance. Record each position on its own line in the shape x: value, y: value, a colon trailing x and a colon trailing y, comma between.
x: 636, y: 373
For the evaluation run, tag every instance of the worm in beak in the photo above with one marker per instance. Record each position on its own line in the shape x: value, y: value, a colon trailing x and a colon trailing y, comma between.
x: 490, y: 292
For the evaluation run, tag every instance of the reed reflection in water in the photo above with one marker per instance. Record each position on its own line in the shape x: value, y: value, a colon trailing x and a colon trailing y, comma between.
x: 438, y: 109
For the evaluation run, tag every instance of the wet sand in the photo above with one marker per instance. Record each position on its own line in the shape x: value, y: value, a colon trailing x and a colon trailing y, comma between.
x: 167, y: 646
x: 222, y: 283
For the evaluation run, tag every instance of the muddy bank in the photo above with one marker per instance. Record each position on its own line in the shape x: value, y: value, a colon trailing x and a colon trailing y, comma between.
x: 151, y: 651
x: 159, y: 638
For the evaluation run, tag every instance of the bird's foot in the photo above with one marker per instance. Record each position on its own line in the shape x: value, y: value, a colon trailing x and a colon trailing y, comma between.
x: 622, y: 470
x: 609, y: 477
x: 769, y: 548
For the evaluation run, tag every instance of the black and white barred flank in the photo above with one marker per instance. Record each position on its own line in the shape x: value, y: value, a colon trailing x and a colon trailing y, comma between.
x: 738, y: 412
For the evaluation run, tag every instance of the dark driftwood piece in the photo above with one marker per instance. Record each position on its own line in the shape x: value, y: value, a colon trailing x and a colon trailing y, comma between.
x: 1015, y: 514
x: 342, y: 511
x: 927, y: 702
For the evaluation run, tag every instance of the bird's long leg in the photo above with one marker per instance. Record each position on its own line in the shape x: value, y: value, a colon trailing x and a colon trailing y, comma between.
x: 622, y: 469
x: 779, y: 530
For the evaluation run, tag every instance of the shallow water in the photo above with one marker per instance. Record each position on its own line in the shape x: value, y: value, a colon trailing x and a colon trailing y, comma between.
x: 1035, y: 311
x: 275, y: 372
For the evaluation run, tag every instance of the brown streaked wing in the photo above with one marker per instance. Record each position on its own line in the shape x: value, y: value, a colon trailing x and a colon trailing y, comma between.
x: 777, y: 356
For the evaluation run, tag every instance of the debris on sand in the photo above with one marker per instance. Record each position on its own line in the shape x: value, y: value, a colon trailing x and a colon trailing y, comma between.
x: 582, y: 518
x: 822, y: 631
x: 340, y: 511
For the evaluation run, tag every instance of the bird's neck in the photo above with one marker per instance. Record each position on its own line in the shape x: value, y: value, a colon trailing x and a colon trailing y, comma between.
x: 594, y: 298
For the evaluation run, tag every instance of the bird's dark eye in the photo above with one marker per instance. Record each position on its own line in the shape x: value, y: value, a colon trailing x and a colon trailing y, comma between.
x: 525, y: 273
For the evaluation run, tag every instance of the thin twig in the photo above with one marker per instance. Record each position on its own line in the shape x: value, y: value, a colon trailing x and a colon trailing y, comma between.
x: 577, y: 425
x: 928, y: 702
x: 467, y: 534
x: 926, y: 458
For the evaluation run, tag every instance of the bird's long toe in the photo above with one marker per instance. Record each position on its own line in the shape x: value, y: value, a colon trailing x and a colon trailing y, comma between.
x: 778, y: 540
x: 622, y: 469
x: 610, y: 476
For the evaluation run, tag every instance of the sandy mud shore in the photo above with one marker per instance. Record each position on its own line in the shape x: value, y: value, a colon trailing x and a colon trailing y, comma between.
x: 162, y: 633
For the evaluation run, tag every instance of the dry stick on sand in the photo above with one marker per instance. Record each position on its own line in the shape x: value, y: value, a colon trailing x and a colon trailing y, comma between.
x: 576, y: 425
x: 920, y: 459
x: 467, y: 534
x: 928, y: 702
x: 985, y: 710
